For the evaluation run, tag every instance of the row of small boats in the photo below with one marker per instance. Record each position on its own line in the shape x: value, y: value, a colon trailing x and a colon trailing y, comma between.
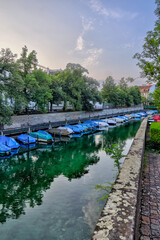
x: 10, y: 146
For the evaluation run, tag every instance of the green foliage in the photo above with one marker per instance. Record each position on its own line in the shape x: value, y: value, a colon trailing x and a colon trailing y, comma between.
x: 8, y: 84
x: 144, y: 100
x: 5, y: 113
x: 149, y: 58
x: 71, y: 85
x: 155, y: 132
x: 109, y: 90
x: 120, y: 95
x: 135, y: 93
x: 117, y: 154
x: 74, y: 66
x: 104, y: 188
x: 156, y: 97
x: 38, y: 84
x: 27, y: 62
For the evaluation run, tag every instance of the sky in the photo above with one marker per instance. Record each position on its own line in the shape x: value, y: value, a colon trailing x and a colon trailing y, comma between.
x: 101, y: 35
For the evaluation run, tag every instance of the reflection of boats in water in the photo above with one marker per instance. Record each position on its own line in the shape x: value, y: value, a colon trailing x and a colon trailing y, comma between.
x: 4, y: 151
x: 27, y: 177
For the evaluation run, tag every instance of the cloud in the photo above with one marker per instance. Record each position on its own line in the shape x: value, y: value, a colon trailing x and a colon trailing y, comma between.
x: 97, y: 6
x: 88, y: 52
x: 92, y: 58
x: 80, y: 43
x: 87, y: 24
x: 128, y: 45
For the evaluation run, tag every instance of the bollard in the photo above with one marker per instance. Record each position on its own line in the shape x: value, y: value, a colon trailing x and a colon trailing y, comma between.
x: 59, y: 135
x: 50, y: 127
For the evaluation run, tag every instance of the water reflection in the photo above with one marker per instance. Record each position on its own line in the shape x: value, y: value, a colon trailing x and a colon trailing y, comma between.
x: 25, y: 178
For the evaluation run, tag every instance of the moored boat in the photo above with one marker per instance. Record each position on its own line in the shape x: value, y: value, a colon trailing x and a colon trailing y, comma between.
x: 129, y: 116
x: 110, y: 121
x: 101, y: 124
x: 61, y: 131
x: 26, y: 139
x: 92, y: 125
x: 156, y: 118
x: 42, y: 137
x: 9, y: 142
x: 118, y: 120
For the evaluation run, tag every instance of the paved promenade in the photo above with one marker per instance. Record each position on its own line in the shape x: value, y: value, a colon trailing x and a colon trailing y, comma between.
x: 150, y: 203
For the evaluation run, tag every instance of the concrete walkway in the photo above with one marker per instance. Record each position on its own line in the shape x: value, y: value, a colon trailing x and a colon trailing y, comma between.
x: 150, y: 203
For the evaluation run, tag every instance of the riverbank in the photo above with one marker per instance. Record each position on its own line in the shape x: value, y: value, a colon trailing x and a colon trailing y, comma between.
x: 45, y: 121
x: 120, y: 216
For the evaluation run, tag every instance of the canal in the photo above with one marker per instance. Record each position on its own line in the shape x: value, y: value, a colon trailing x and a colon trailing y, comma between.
x: 49, y: 193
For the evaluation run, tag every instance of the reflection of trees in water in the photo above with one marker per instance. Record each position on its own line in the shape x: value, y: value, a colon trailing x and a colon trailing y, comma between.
x: 118, y: 135
x: 23, y: 179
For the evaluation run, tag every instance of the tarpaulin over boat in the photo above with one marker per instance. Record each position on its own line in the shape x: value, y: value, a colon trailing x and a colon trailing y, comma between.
x: 156, y: 118
x: 39, y: 135
x: 75, y: 128
x: 92, y: 123
x: 26, y: 139
x: 45, y: 133
x: 4, y: 148
x: 9, y: 142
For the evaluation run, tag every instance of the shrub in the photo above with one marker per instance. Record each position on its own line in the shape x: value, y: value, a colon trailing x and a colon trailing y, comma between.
x: 155, y: 132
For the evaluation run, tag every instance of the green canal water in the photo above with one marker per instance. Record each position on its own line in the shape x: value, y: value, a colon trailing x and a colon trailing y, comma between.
x: 48, y: 193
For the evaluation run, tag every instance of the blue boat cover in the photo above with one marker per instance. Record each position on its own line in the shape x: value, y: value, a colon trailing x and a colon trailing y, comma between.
x: 75, y: 128
x: 9, y: 142
x: 45, y: 133
x: 92, y: 123
x: 4, y: 148
x: 25, y: 138
x: 82, y: 126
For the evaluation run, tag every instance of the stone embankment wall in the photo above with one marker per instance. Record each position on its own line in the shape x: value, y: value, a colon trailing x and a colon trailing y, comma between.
x: 56, y: 119
x: 120, y: 216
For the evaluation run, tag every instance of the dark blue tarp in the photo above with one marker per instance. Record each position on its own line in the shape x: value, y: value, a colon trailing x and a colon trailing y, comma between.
x: 26, y: 139
x: 9, y: 142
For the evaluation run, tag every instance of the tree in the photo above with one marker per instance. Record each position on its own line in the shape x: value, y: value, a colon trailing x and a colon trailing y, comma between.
x: 27, y: 63
x: 90, y: 94
x: 144, y: 100
x: 149, y: 58
x: 74, y: 66
x: 108, y: 90
x: 11, y: 85
x: 123, y: 84
x: 156, y: 96
x: 38, y: 89
x: 58, y: 94
x: 71, y: 84
x: 135, y: 93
